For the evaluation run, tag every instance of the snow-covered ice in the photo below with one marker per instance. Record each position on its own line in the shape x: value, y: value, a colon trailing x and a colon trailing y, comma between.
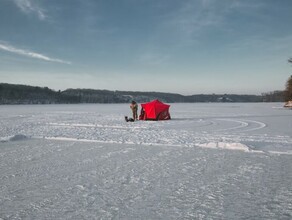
x: 211, y: 161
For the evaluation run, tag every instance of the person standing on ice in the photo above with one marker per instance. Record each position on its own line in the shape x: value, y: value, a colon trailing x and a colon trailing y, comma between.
x: 134, y: 107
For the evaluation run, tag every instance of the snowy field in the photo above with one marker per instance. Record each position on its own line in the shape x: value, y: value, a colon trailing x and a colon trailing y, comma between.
x: 211, y: 161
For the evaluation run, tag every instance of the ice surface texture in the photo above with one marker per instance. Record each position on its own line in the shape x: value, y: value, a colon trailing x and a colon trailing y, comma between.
x: 212, y: 161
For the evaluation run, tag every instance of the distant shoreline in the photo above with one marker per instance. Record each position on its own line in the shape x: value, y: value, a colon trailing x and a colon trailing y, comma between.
x: 23, y: 94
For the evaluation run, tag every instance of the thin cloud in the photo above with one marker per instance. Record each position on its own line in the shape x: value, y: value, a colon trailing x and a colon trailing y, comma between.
x: 194, y: 17
x: 243, y: 5
x: 28, y: 7
x: 153, y: 59
x: 31, y: 54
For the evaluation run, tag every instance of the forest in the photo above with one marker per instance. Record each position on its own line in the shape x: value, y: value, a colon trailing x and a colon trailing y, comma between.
x: 25, y: 94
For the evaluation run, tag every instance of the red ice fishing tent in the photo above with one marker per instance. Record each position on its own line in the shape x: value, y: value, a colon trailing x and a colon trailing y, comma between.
x: 155, y: 110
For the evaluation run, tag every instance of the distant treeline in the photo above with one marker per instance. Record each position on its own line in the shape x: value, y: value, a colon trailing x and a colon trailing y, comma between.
x: 23, y: 94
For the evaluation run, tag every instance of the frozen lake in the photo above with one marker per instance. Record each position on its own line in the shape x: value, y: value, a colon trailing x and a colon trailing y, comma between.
x: 211, y: 161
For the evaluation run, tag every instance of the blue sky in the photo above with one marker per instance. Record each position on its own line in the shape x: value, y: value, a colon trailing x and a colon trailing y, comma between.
x: 179, y: 46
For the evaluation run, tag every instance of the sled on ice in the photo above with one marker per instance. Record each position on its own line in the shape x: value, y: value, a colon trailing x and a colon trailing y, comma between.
x: 288, y: 104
